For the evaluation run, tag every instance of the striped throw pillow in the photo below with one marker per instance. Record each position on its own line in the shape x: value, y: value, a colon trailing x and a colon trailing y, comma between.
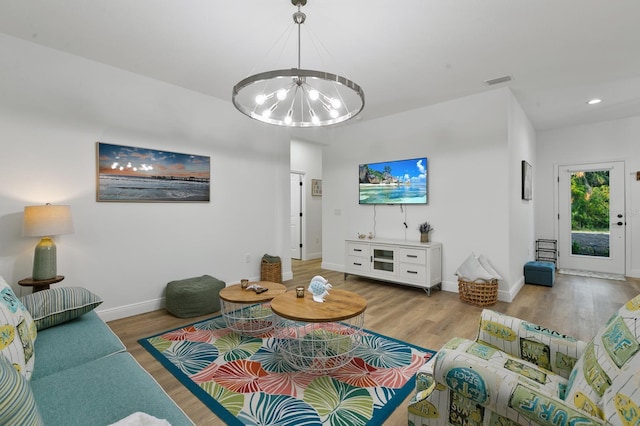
x: 17, y: 405
x: 59, y: 305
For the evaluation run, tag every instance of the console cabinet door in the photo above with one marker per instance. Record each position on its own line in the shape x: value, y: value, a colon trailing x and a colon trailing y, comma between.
x: 383, y: 260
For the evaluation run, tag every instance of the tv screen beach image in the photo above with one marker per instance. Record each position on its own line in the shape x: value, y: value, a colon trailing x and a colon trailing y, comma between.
x: 394, y: 182
x: 146, y: 175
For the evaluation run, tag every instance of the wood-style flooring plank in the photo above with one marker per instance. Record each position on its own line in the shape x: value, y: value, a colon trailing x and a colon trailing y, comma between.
x: 576, y: 306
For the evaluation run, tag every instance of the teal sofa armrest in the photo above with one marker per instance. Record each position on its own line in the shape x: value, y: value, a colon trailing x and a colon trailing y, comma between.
x: 542, y: 346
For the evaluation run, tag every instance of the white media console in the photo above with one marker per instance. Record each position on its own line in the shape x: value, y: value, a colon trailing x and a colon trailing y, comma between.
x: 404, y: 262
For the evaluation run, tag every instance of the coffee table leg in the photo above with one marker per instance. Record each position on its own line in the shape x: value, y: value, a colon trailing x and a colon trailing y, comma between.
x: 319, y: 348
x: 248, y: 319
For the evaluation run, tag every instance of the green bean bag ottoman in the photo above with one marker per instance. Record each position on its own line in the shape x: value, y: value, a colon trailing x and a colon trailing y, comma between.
x: 193, y: 297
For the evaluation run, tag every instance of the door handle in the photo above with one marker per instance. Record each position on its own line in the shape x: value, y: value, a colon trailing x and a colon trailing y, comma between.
x: 617, y: 223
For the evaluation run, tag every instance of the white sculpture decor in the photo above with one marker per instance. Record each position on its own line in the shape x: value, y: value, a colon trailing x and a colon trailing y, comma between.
x: 319, y: 288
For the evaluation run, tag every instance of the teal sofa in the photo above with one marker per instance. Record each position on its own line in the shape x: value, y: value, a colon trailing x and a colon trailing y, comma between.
x: 83, y: 375
x: 60, y: 364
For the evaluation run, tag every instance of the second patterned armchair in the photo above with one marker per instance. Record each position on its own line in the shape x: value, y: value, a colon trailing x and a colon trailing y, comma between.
x: 518, y: 373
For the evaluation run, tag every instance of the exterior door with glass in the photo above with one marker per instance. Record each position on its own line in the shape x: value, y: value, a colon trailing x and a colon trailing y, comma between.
x: 591, y: 217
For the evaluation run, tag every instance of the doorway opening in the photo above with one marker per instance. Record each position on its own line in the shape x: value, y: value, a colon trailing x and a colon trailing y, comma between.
x: 591, y: 223
x: 296, y: 215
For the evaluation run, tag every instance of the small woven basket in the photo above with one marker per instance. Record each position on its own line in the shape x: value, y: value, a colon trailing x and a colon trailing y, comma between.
x: 271, y: 271
x: 478, y: 293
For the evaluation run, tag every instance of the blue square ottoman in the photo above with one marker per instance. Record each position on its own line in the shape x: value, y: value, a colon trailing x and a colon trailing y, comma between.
x: 541, y: 273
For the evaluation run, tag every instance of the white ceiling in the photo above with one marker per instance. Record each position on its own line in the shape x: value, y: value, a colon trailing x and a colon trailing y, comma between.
x: 405, y: 55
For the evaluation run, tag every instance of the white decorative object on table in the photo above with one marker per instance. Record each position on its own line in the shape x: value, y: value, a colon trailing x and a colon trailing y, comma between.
x: 319, y: 288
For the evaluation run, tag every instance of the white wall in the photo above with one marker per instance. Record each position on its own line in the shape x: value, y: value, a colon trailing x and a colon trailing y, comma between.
x: 472, y: 151
x: 307, y: 158
x: 53, y: 109
x: 522, y: 143
x: 616, y: 140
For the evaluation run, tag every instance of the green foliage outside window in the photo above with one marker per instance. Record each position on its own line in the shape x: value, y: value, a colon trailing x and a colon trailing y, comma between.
x: 590, y: 201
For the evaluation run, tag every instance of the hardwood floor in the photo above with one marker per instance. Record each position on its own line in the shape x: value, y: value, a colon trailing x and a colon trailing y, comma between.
x: 576, y: 306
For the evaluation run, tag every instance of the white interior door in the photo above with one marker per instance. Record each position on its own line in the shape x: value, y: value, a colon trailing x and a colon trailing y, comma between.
x: 296, y: 216
x: 591, y: 221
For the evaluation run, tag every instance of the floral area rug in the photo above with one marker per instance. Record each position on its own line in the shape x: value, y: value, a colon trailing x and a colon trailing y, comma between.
x: 246, y: 381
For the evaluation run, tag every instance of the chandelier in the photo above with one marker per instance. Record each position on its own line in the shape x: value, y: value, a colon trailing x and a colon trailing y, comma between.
x: 298, y: 97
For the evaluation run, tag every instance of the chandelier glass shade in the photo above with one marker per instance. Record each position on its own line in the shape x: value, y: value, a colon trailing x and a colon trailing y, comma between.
x: 298, y: 97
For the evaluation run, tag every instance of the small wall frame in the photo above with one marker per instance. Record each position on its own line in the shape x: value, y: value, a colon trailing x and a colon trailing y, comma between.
x: 316, y: 187
x: 527, y: 178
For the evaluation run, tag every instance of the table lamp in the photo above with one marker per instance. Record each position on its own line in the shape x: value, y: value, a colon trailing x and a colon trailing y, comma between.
x: 46, y: 221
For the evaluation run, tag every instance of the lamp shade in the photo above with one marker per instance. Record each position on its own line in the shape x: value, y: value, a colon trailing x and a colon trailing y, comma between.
x: 46, y: 221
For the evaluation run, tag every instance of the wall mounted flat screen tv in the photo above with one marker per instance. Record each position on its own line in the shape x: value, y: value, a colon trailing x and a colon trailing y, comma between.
x: 394, y: 182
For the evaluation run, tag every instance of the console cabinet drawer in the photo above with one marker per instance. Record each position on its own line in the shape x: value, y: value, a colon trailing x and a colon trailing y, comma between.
x: 357, y: 249
x: 357, y: 264
x: 413, y: 272
x: 408, y: 255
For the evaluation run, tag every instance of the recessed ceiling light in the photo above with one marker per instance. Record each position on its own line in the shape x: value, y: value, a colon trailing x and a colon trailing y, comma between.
x: 594, y: 101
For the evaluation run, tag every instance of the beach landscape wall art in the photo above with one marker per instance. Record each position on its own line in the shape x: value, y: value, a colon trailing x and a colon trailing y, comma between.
x: 129, y: 174
x: 394, y: 182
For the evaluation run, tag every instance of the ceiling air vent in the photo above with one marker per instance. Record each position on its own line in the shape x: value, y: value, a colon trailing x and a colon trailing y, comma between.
x: 498, y: 80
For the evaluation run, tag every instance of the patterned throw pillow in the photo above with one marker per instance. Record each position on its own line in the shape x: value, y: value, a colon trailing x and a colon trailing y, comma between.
x: 17, y: 331
x: 59, y: 305
x: 17, y: 406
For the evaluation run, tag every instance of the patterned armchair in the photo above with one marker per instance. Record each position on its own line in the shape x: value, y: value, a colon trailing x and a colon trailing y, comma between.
x: 518, y: 373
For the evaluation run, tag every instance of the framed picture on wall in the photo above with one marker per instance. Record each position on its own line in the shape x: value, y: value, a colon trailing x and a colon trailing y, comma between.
x: 316, y: 187
x: 527, y: 178
x: 129, y: 174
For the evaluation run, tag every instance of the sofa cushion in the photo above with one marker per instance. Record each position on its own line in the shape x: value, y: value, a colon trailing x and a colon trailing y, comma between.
x: 59, y: 305
x: 481, y: 377
x: 621, y: 402
x: 610, y: 358
x: 17, y: 405
x: 542, y: 346
x: 102, y: 392
x: 73, y: 343
x: 17, y: 331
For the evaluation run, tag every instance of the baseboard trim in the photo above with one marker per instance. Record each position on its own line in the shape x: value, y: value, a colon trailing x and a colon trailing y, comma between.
x: 130, y: 310
x: 125, y: 311
x: 311, y: 256
x: 634, y: 273
x: 508, y: 296
x: 332, y: 266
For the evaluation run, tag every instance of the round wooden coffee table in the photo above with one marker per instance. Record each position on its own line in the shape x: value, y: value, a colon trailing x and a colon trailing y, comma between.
x: 319, y: 337
x: 247, y: 312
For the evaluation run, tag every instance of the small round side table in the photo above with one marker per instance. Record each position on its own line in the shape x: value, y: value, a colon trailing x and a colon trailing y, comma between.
x: 39, y: 285
x: 246, y: 312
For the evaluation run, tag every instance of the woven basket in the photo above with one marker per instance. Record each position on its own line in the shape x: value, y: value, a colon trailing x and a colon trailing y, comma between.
x: 479, y: 294
x: 271, y: 271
